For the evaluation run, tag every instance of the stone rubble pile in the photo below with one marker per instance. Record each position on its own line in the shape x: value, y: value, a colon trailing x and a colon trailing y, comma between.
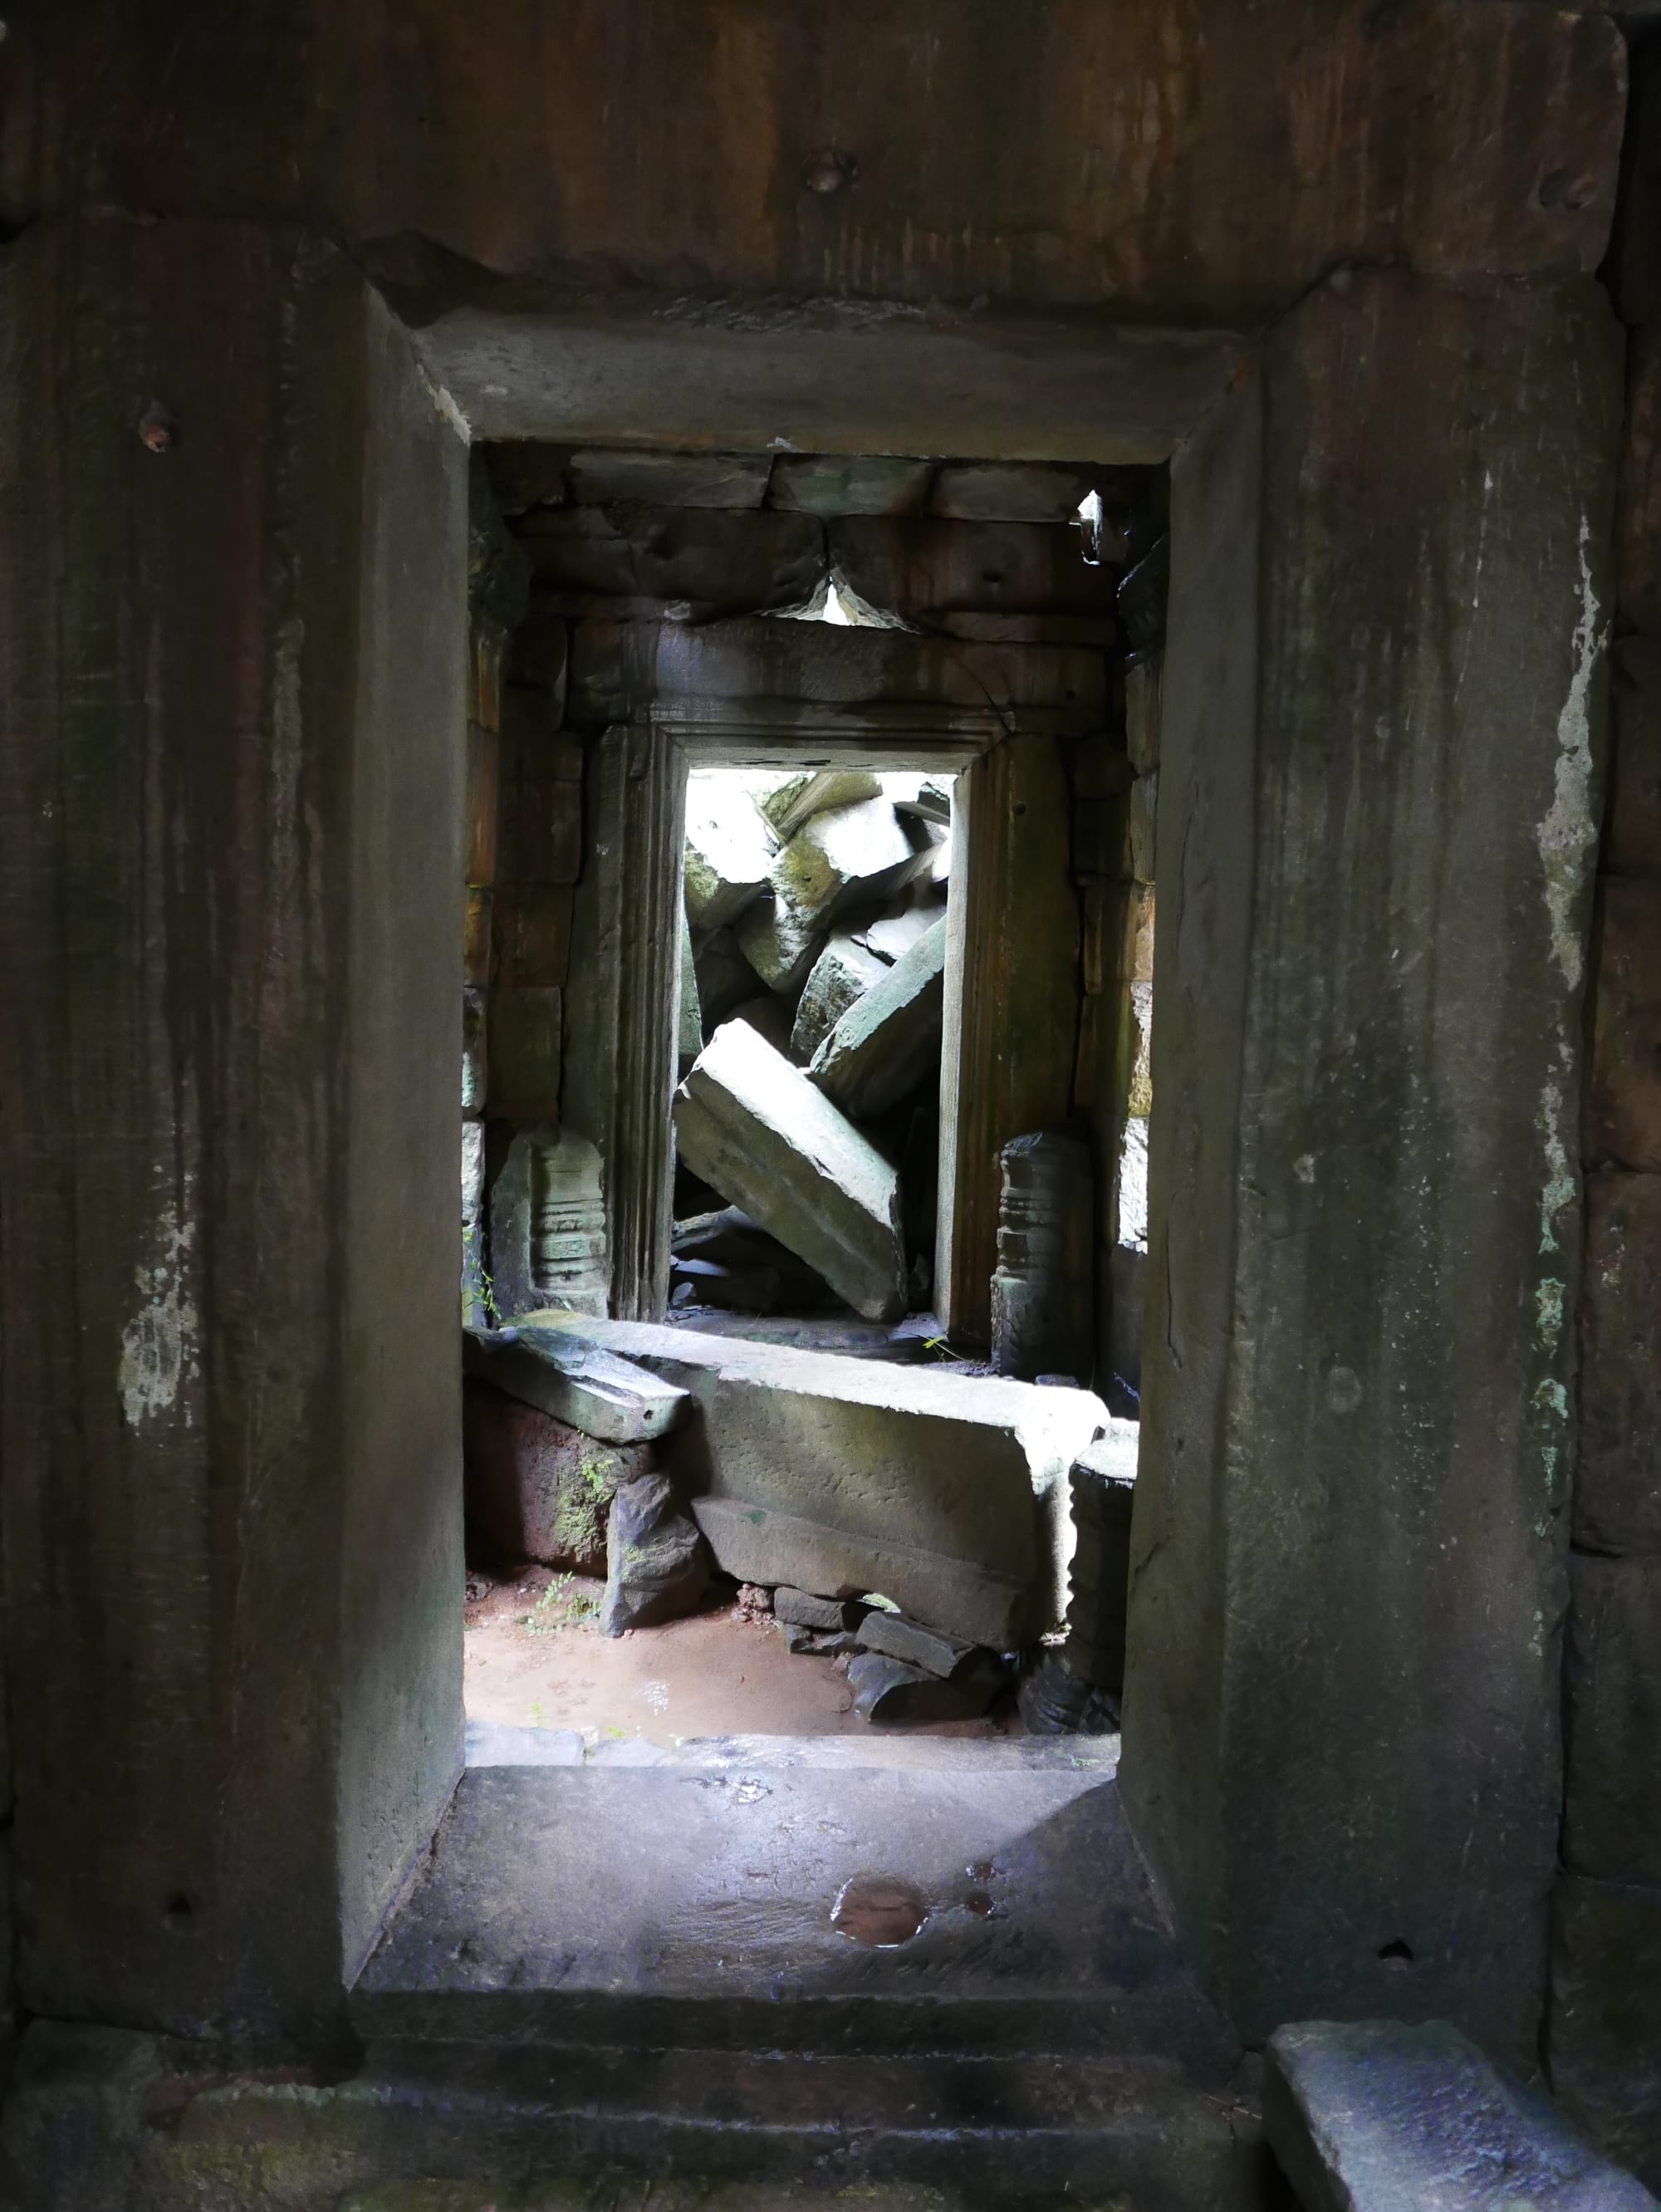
x: 816, y: 908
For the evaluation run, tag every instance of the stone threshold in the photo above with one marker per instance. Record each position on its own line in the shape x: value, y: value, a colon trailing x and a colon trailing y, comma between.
x: 706, y: 1907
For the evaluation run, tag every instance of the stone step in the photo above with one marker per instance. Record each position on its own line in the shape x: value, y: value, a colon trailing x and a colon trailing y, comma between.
x: 704, y: 1908
x: 442, y: 2127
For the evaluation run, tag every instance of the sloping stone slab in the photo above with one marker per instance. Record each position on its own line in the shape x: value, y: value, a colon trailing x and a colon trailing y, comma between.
x: 589, y: 1388
x: 755, y: 1128
x: 946, y: 1492
x: 794, y: 800
x: 886, y: 1043
x: 780, y: 944
x: 1376, y: 2116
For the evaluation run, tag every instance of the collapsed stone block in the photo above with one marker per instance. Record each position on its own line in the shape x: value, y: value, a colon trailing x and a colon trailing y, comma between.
x: 794, y: 800
x: 842, y: 974
x: 771, y: 1016
x: 1377, y: 2116
x: 802, y: 1610
x: 1043, y: 1310
x: 472, y: 1052
x: 729, y: 850
x: 472, y: 1209
x: 888, y: 1040
x: 929, y: 1649
x: 580, y: 1384
x: 886, y: 1689
x: 756, y: 1130
x: 657, y: 1566
x: 844, y: 856
x: 779, y: 945
x: 839, y: 1476
x: 535, y: 1487
x: 892, y: 934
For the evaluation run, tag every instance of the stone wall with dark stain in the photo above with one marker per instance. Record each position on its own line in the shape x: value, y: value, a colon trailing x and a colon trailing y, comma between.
x: 1605, y: 2021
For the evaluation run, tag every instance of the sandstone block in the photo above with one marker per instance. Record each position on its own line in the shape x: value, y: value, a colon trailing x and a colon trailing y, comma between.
x: 1632, y: 834
x: 548, y: 1223
x: 1102, y: 1487
x: 475, y: 939
x: 888, y: 1040
x: 1010, y: 491
x: 893, y: 935
x: 473, y: 1053
x: 482, y: 805
x: 472, y: 1208
x: 708, y: 562
x: 532, y: 927
x: 526, y: 472
x: 925, y: 567
x: 927, y: 797
x: 802, y: 1610
x: 779, y: 944
x: 844, y: 856
x: 1622, y: 1125
x: 541, y: 836
x: 524, y: 1054
x: 1043, y: 1310
x: 888, y: 1690
x: 1377, y: 2116
x: 579, y: 1383
x: 839, y: 484
x: 1612, y: 1803
x: 540, y: 660
x: 1617, y: 1490
x: 844, y: 971
x: 656, y: 1567
x: 535, y: 1487
x: 753, y: 1127
x: 729, y: 850
x: 794, y: 800
x: 838, y: 1475
x: 731, y: 1239
x: 659, y: 479
x: 1142, y: 712
x: 897, y: 1637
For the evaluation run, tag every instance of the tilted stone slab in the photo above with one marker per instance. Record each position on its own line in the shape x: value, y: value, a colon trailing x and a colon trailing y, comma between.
x: 885, y: 1045
x: 794, y: 800
x: 581, y: 1384
x: 948, y: 1493
x: 1376, y: 2116
x: 843, y: 973
x: 729, y: 850
x: 756, y: 1130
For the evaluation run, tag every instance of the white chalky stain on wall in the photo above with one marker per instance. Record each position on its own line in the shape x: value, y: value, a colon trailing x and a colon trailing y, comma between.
x: 158, y: 1346
x: 1569, y: 831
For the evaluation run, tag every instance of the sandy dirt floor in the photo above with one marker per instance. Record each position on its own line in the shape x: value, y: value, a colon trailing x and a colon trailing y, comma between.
x: 535, y: 1659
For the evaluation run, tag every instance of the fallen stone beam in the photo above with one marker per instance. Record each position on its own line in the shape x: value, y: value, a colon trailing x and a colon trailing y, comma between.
x: 581, y: 1384
x: 1375, y: 2116
x: 845, y: 855
x: 947, y: 1493
x: 756, y: 1130
x: 885, y: 1045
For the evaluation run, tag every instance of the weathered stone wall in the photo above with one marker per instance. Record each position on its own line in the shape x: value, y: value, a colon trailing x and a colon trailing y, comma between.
x: 233, y: 777
x: 1376, y: 836
x: 1605, y: 2020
